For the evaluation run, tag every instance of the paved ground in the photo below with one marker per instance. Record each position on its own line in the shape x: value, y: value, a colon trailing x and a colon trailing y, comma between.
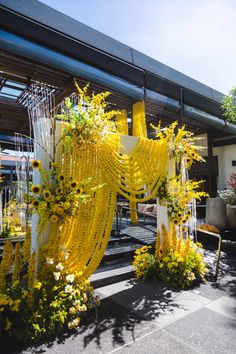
x: 151, y: 318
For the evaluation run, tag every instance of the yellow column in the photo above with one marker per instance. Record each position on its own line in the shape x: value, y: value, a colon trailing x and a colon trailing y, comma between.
x: 139, y: 129
x: 122, y: 124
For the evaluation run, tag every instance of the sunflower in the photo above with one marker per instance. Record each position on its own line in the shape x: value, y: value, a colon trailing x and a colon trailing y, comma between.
x: 179, y: 214
x: 184, y: 221
x: 35, y: 203
x: 36, y: 163
x: 47, y: 194
x: 78, y: 191
x: 61, y: 178
x: 188, y: 212
x: 176, y: 221
x: 184, y: 229
x: 60, y: 211
x: 59, y: 190
x: 36, y: 189
x: 54, y: 218
x: 73, y: 184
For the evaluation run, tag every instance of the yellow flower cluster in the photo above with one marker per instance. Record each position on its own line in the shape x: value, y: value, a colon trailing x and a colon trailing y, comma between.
x: 176, y: 195
x: 58, y: 199
x: 181, y: 142
x: 176, y: 261
x: 6, y: 263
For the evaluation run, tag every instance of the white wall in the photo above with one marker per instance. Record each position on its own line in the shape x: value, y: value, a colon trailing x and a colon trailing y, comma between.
x: 225, y: 156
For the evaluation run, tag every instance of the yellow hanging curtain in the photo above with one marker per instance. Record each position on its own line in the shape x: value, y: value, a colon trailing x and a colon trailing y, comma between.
x: 139, y: 129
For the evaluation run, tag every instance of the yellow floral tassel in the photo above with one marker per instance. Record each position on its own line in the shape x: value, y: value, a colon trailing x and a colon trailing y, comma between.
x: 31, y: 276
x: 17, y: 264
x: 187, y: 247
x: 174, y: 238
x: 7, y: 257
x: 158, y: 245
x: 27, y: 246
x: 179, y: 244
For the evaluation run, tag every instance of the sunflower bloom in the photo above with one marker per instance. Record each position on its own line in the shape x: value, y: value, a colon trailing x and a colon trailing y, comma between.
x: 36, y: 163
x: 73, y: 184
x: 47, y: 194
x: 36, y: 189
x: 54, y: 218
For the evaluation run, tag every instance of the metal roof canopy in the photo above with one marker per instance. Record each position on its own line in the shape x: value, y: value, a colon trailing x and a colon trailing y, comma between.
x: 44, y: 25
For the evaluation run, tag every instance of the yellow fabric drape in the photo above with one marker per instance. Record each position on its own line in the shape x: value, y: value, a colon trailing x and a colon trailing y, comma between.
x: 139, y: 129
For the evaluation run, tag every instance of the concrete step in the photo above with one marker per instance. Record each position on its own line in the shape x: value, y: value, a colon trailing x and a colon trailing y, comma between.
x: 110, y: 275
x: 121, y: 251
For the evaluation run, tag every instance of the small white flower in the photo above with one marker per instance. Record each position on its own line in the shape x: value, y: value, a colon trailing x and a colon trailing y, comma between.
x: 68, y: 289
x: 70, y: 278
x: 60, y: 266
x: 56, y: 275
x: 49, y: 260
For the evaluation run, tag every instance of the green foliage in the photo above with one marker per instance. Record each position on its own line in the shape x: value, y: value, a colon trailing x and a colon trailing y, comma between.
x: 229, y: 105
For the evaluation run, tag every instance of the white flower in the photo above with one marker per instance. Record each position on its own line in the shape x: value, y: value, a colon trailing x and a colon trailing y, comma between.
x: 49, y: 260
x: 60, y: 266
x: 68, y: 289
x: 76, y: 322
x: 56, y: 275
x: 70, y: 278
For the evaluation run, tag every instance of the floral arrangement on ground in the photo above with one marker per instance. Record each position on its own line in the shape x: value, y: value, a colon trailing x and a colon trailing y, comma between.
x: 34, y: 307
x: 175, y: 261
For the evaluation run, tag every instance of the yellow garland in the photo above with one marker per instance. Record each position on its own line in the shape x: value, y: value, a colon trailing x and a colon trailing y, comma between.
x: 139, y: 129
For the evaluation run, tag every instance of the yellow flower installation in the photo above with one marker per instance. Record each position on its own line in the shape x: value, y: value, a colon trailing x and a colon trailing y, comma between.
x: 90, y: 151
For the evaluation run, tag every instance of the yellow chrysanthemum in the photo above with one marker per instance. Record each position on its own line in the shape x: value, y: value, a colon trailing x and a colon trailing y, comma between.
x: 54, y: 218
x: 36, y: 163
x: 36, y: 189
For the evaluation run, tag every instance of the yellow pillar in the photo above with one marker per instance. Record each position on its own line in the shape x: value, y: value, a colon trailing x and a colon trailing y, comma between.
x: 139, y: 129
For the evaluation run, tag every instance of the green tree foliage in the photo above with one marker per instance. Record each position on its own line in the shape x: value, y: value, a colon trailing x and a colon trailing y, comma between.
x: 229, y: 105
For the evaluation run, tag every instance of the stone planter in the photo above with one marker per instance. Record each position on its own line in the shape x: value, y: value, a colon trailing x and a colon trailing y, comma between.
x: 216, y: 213
x: 231, y: 216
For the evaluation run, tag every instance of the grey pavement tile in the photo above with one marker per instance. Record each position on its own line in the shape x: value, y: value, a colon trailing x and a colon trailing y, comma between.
x: 209, y: 290
x: 157, y: 342
x: 225, y: 305
x: 153, y: 301
x: 206, y: 331
x: 113, y: 328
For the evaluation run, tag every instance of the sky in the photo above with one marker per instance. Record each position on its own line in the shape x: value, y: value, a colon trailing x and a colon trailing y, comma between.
x: 195, y: 37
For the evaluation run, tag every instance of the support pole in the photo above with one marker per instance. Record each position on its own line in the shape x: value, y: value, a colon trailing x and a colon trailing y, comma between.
x: 181, y: 111
x: 210, y: 162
